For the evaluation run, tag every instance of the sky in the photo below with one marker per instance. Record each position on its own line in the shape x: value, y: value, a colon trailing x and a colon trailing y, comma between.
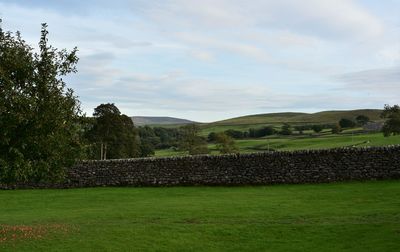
x: 208, y: 60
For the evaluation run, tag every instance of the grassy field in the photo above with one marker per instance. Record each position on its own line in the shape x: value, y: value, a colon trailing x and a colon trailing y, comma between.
x: 301, y: 142
x: 317, y: 142
x: 327, y: 217
x: 308, y: 140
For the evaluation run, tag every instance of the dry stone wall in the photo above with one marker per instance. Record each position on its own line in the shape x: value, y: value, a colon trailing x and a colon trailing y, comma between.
x: 314, y: 166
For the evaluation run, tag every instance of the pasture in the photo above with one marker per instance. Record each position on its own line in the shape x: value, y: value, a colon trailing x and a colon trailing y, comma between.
x: 356, y: 216
x: 300, y: 142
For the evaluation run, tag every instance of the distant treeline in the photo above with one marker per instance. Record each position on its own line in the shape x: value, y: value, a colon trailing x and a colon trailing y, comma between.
x: 287, y: 129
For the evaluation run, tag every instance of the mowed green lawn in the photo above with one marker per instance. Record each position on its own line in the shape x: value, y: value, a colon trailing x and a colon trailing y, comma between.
x: 357, y: 216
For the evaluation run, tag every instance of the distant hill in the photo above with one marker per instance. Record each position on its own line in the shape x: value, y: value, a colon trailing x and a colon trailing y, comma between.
x: 301, y: 118
x: 155, y: 120
x: 245, y: 122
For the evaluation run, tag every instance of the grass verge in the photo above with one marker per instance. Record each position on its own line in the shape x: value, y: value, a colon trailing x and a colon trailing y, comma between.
x: 326, y: 217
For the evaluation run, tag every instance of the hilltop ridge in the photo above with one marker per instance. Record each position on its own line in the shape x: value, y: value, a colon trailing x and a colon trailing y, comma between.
x: 159, y: 120
x: 301, y: 118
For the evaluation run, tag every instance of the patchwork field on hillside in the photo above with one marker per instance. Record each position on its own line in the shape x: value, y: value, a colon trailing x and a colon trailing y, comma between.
x: 302, y: 142
x: 301, y: 118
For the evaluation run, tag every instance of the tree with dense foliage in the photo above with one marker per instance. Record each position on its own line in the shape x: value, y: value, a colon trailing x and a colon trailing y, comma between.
x: 392, y: 123
x: 39, y: 129
x: 237, y: 134
x: 148, y: 137
x: 267, y: 131
x: 336, y: 129
x: 113, y: 133
x: 286, y: 129
x: 252, y: 132
x: 317, y: 128
x: 191, y: 141
x: 347, y: 123
x: 261, y: 132
x: 212, y: 137
x: 300, y: 128
x: 225, y: 143
x: 362, y: 120
x: 152, y: 138
x: 146, y: 149
x: 107, y: 126
x: 168, y: 137
x: 129, y: 144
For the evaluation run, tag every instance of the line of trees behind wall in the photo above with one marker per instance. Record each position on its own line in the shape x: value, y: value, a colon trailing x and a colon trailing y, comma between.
x: 112, y: 135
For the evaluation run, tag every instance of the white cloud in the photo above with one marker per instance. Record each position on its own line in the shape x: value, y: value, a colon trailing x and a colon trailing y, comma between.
x: 339, y: 17
x: 202, y: 55
x: 390, y: 53
x: 223, y: 45
x: 345, y: 18
x: 373, y: 86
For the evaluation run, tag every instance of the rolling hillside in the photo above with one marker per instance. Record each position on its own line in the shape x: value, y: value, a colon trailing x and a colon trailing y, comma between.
x: 243, y: 123
x: 154, y: 120
x: 300, y: 118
